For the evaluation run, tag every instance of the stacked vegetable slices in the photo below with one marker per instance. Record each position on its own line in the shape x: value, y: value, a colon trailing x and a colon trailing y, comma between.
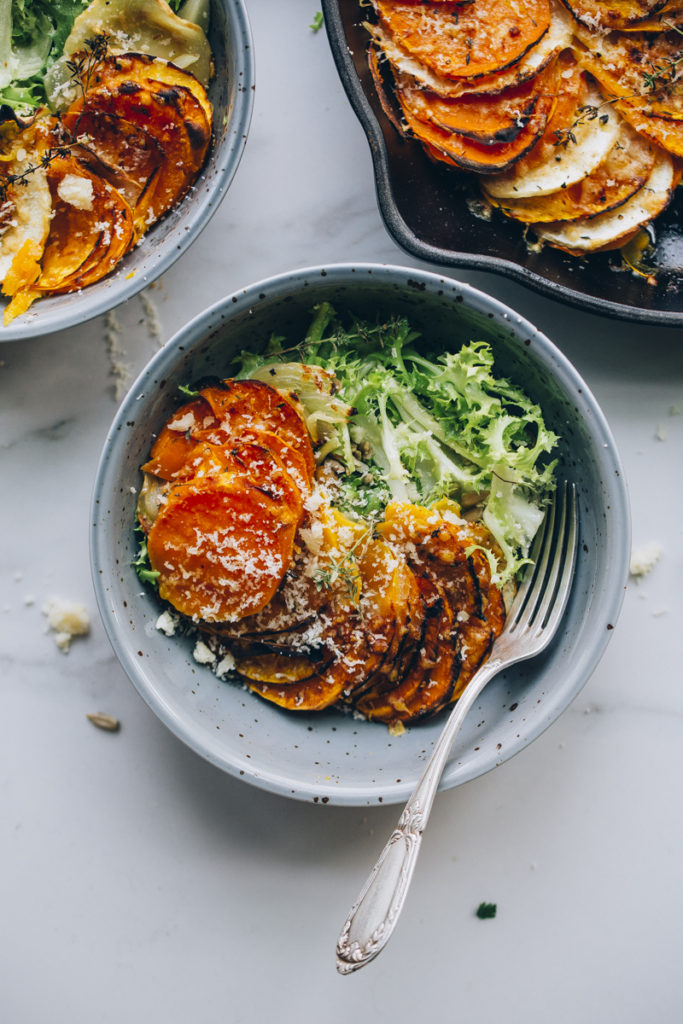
x: 572, y: 118
x: 123, y: 154
x: 316, y: 609
x: 223, y: 498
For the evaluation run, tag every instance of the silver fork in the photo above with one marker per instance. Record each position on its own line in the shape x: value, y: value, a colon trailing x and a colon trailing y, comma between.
x: 531, y: 623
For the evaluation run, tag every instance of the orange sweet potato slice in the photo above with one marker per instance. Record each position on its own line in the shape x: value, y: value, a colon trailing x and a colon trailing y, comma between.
x: 627, y: 65
x: 154, y: 72
x: 126, y: 155
x: 466, y: 153
x: 483, y: 118
x: 385, y: 696
x: 449, y: 554
x: 466, y: 42
x: 221, y: 548
x: 666, y: 132
x: 292, y: 458
x: 361, y: 637
x: 171, y: 115
x: 178, y: 439
x: 85, y: 243
x: 615, y: 14
x: 244, y: 407
x: 422, y: 112
x: 278, y: 669
x: 536, y: 59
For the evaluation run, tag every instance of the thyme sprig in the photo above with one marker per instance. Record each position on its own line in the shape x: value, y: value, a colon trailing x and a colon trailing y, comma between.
x: 665, y: 73
x: 81, y: 71
x: 588, y: 112
x: 342, y: 570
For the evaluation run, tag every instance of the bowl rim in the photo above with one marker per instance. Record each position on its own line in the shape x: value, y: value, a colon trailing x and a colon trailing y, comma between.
x: 408, y: 240
x: 227, y: 156
x: 617, y: 539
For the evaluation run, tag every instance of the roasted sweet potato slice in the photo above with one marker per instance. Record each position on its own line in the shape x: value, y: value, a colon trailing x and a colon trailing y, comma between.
x: 615, y: 14
x: 89, y: 233
x: 629, y: 66
x: 170, y: 114
x: 624, y: 170
x: 361, y: 638
x: 154, y: 70
x: 128, y: 157
x: 448, y: 553
x: 547, y: 49
x: 278, y: 669
x: 423, y: 110
x: 666, y: 132
x: 463, y: 152
x: 221, y: 548
x: 291, y: 458
x: 244, y: 407
x: 487, y: 36
x: 244, y: 461
x: 429, y: 680
x: 488, y: 120
x: 178, y: 439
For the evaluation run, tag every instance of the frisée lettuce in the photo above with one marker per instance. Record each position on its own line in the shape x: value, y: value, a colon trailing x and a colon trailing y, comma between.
x: 408, y: 424
x: 32, y: 36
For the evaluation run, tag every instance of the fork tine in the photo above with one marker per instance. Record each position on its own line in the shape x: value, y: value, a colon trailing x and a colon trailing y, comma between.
x: 538, y: 556
x: 551, y: 586
x: 566, y: 560
x: 543, y: 594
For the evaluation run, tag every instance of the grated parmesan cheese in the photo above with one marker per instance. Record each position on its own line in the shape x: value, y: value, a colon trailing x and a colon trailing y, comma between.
x: 76, y: 191
x: 644, y: 559
x: 67, y: 619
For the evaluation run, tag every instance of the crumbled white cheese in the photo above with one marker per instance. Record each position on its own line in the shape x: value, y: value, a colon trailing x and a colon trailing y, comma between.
x: 225, y: 665
x: 644, y: 559
x: 183, y: 423
x: 76, y: 191
x: 203, y: 654
x: 166, y: 623
x: 68, y: 619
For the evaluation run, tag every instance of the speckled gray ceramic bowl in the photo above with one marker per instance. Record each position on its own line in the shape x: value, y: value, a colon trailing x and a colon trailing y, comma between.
x: 231, y: 92
x: 330, y: 756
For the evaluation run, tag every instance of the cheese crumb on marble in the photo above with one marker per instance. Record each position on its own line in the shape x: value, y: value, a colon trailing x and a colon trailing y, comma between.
x: 76, y: 191
x: 644, y: 559
x: 67, y: 619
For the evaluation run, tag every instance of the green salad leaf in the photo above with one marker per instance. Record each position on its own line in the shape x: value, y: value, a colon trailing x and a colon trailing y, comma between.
x: 413, y: 425
x: 32, y: 37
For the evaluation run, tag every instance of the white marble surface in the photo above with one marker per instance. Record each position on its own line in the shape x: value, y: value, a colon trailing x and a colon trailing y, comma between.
x: 138, y: 884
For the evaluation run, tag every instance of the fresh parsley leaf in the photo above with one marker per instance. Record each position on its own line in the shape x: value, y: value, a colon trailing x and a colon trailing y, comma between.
x: 187, y: 390
x: 486, y: 910
x: 317, y: 22
x: 141, y: 563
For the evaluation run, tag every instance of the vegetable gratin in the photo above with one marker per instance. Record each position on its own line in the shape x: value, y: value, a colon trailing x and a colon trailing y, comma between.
x: 569, y: 114
x: 340, y: 522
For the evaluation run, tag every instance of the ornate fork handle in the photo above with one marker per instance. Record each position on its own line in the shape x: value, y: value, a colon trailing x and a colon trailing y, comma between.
x: 373, y: 916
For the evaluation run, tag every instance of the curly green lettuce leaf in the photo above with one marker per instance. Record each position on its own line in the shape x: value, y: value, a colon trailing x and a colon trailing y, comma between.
x: 32, y: 36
